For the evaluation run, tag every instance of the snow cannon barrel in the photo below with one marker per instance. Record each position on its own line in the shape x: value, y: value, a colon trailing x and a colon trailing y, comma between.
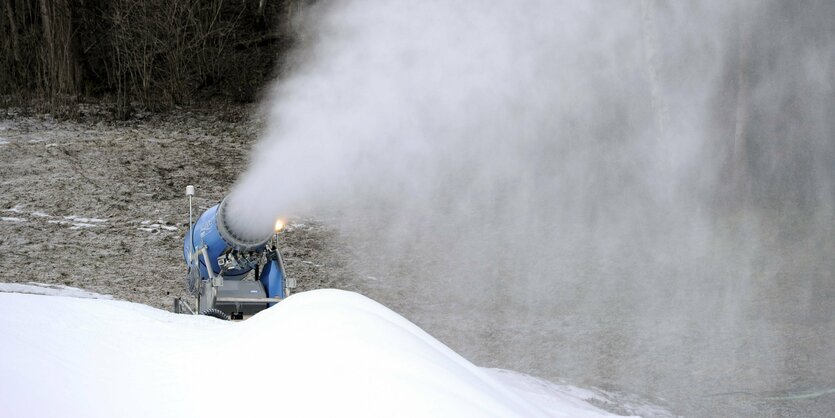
x: 229, y: 253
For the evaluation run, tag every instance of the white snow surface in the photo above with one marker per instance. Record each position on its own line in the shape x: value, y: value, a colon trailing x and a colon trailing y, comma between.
x: 322, y: 353
x: 34, y: 288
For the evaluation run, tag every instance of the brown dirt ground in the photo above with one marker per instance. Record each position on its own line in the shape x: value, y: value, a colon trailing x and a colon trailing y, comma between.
x: 101, y: 205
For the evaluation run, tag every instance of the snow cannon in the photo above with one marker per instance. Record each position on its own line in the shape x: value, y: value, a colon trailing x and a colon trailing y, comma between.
x: 230, y: 275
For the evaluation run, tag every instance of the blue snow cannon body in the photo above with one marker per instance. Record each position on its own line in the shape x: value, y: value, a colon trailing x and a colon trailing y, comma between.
x: 220, y: 264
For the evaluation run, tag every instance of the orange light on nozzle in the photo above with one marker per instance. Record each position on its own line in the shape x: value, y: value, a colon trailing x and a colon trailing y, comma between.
x: 279, y: 225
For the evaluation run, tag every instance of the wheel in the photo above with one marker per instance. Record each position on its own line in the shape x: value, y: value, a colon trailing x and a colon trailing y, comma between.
x: 215, y: 313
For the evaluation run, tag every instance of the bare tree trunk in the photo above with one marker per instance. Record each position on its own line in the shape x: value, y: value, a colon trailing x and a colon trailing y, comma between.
x: 7, y: 4
x: 69, y: 73
x: 60, y: 62
x: 48, y: 54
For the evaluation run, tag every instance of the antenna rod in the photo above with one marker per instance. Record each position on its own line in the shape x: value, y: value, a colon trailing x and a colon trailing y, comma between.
x: 190, y: 194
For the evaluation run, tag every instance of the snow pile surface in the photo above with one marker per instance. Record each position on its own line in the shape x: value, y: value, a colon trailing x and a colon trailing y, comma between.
x: 34, y: 288
x: 321, y: 353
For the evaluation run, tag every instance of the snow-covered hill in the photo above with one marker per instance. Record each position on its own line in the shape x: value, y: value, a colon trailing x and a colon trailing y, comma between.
x: 321, y: 353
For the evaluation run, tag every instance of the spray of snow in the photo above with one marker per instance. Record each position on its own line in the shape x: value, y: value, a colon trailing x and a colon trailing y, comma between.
x: 649, y: 167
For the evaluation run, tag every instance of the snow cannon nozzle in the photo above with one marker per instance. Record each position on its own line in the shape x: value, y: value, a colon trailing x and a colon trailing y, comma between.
x: 236, y: 240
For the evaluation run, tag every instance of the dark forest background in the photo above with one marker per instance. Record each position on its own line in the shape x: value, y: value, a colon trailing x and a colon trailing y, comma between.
x: 151, y: 54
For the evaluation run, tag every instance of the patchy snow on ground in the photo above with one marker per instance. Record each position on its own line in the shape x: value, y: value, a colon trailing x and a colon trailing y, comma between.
x: 79, y: 225
x: 74, y: 225
x: 294, y: 225
x: 15, y: 209
x: 153, y: 227
x: 321, y: 353
x: 75, y: 222
x: 11, y: 219
x: 147, y: 226
x: 82, y: 219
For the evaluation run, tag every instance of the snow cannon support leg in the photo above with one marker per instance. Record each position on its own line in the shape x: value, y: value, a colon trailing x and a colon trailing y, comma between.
x: 273, y: 278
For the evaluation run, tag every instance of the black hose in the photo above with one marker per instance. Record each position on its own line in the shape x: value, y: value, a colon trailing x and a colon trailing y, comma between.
x: 215, y: 313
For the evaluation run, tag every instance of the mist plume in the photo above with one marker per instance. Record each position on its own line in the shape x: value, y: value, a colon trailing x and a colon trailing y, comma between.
x: 636, y: 194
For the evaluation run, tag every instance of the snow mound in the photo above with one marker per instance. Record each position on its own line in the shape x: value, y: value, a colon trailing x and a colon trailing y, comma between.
x: 317, y: 354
